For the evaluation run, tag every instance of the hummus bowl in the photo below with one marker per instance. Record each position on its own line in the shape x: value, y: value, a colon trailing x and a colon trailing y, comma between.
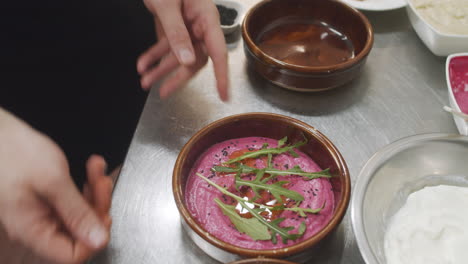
x: 251, y: 126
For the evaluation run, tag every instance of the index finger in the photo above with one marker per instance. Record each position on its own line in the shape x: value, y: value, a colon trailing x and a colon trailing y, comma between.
x: 217, y: 50
x: 100, y: 184
x: 170, y: 15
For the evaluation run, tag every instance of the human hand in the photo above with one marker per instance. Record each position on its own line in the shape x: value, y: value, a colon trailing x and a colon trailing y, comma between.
x: 40, y: 206
x: 188, y: 32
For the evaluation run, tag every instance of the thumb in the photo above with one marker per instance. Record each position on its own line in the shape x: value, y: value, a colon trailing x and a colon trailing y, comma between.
x: 80, y: 220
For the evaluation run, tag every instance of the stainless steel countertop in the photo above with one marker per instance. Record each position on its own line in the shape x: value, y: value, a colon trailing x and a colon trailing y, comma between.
x: 400, y: 93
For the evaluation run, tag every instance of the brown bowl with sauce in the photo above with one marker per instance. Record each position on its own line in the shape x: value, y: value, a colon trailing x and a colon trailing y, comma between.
x: 197, y: 220
x: 306, y: 45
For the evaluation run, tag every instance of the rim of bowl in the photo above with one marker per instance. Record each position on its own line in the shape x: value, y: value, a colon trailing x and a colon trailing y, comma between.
x: 262, y: 260
x: 435, y: 30
x: 312, y: 69
x: 337, y: 217
x: 357, y: 4
x: 365, y: 176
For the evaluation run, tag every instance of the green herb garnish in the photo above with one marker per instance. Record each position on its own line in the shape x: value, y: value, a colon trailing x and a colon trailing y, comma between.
x: 301, y: 211
x: 293, y: 153
x: 276, y: 189
x: 252, y: 227
x: 266, y: 151
x: 282, y: 142
x: 272, y: 226
x: 296, y: 170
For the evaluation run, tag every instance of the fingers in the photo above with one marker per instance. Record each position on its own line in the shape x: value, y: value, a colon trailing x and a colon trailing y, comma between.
x: 95, y: 168
x: 87, y: 193
x: 55, y: 245
x: 166, y: 66
x: 102, y: 196
x: 203, y: 21
x: 76, y: 214
x: 170, y: 14
x: 206, y: 28
x: 35, y: 224
x: 152, y: 55
x: 100, y: 185
x: 182, y: 75
x: 216, y: 49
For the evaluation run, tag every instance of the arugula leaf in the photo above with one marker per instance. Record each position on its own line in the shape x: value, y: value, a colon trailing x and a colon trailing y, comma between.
x: 223, y: 169
x: 249, y: 226
x: 269, y: 162
x: 296, y: 170
x: 260, y: 152
x: 282, y: 141
x: 293, y: 153
x: 273, y: 226
x: 284, y: 231
x: 276, y: 189
x: 301, y: 211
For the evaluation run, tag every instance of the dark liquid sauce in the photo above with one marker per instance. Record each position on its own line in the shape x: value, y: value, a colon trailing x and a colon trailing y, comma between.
x: 305, y: 43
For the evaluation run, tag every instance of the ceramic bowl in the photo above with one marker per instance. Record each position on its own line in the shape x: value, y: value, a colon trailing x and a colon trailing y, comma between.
x: 262, y: 261
x: 339, y: 16
x: 461, y: 123
x: 274, y: 126
x: 395, y: 172
x: 439, y: 43
x: 381, y: 5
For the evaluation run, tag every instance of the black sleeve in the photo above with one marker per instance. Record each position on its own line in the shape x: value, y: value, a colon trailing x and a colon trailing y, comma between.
x: 68, y: 69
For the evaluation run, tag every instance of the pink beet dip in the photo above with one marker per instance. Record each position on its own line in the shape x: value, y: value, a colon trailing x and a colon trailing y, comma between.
x: 199, y: 195
x: 458, y: 74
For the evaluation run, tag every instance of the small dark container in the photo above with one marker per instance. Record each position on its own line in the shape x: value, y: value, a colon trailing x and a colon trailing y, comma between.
x: 231, y: 8
x: 227, y: 15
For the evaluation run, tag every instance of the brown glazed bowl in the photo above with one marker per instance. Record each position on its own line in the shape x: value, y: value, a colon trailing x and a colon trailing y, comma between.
x: 345, y: 19
x: 274, y: 126
x: 262, y: 261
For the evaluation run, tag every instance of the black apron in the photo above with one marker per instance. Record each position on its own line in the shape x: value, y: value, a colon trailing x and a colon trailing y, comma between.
x: 68, y: 69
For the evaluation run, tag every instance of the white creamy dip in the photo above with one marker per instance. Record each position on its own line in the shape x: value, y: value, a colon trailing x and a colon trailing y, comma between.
x: 430, y: 228
x: 447, y: 16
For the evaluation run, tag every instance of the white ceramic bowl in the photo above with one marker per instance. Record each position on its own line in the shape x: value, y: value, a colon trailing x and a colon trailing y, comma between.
x: 376, y: 5
x: 396, y: 171
x: 462, y: 125
x: 441, y: 44
x: 236, y: 5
